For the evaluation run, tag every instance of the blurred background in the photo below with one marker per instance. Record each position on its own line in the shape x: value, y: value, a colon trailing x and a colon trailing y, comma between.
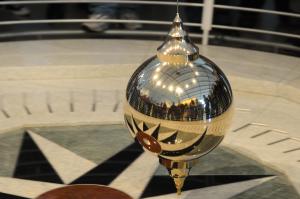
x: 265, y: 25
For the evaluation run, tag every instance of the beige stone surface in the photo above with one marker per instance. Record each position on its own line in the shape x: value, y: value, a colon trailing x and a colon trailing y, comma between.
x: 83, y: 73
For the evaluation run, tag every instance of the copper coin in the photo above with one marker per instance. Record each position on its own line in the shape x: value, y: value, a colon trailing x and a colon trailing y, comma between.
x: 84, y: 192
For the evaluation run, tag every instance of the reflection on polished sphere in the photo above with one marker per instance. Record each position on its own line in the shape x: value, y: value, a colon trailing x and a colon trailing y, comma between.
x: 187, y: 106
x: 179, y: 103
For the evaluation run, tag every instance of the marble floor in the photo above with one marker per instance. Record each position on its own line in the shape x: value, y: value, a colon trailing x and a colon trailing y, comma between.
x: 41, y: 159
x: 48, y: 89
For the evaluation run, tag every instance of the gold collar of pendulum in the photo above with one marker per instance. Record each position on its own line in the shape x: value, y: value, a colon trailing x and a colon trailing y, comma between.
x: 178, y: 170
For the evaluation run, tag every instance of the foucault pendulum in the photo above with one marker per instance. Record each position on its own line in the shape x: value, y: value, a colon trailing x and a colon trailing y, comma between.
x: 179, y: 104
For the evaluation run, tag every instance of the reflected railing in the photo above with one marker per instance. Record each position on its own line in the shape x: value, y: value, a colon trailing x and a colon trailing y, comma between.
x: 205, y: 24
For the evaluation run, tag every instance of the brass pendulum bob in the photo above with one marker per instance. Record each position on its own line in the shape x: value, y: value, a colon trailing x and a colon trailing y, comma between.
x: 179, y: 104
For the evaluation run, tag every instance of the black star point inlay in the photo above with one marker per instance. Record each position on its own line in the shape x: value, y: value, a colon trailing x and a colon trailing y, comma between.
x: 162, y: 185
x: 7, y: 196
x: 33, y: 165
x: 107, y: 171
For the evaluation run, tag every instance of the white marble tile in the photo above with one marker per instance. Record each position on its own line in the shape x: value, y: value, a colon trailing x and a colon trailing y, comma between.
x: 136, y: 177
x: 290, y: 93
x: 285, y: 145
x: 245, y: 132
x: 57, y: 52
x: 60, y: 102
x: 282, y: 114
x: 251, y: 57
x: 25, y: 188
x: 251, y: 85
x: 107, y: 97
x: 82, y: 100
x: 3, y: 116
x: 255, y: 102
x: 36, y: 102
x: 13, y: 104
x: 67, y: 164
x: 240, y: 118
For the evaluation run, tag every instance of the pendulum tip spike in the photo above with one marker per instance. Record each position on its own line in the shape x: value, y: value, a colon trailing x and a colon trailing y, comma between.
x: 179, y: 192
x: 179, y: 182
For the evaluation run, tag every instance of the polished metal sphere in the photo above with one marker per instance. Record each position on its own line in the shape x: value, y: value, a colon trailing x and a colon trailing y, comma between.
x: 179, y: 103
x: 180, y: 112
